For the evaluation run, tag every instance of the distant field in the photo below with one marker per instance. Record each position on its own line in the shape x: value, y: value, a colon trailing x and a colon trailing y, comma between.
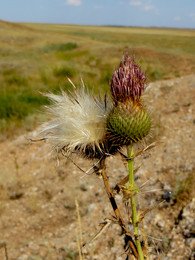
x: 40, y: 57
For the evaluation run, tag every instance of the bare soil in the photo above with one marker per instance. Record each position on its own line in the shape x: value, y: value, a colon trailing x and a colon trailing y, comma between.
x: 38, y: 217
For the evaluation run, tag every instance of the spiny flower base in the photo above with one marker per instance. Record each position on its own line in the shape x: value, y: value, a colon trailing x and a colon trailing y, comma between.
x: 94, y: 151
x: 128, y: 123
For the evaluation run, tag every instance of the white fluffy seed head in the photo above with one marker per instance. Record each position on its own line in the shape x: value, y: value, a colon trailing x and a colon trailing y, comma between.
x: 78, y: 120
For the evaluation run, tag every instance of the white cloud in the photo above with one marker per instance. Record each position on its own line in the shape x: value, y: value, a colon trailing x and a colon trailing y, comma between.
x: 192, y: 16
x: 74, y: 2
x: 144, y: 5
x: 135, y: 3
x: 148, y: 7
x: 177, y: 18
x: 97, y: 6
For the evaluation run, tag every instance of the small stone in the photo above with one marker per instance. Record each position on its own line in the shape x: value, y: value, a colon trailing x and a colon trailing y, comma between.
x: 43, y: 252
x: 191, y: 243
x: 167, y: 195
x: 83, y: 187
x: 35, y: 248
x: 16, y: 195
x: 158, y: 221
x: 23, y: 257
x: 69, y: 206
x: 22, y: 250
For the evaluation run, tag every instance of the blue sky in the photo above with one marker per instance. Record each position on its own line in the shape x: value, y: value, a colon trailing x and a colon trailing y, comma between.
x: 162, y: 13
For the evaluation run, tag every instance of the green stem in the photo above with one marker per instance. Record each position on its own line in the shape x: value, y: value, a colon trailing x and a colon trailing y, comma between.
x: 133, y: 204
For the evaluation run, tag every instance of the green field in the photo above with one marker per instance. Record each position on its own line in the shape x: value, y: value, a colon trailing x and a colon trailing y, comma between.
x: 38, y: 58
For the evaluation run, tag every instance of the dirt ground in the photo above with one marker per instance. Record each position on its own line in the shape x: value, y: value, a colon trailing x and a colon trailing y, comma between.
x: 38, y: 216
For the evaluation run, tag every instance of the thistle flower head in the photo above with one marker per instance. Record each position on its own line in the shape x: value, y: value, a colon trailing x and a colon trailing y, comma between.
x: 128, y: 82
x: 128, y: 122
x: 78, y: 123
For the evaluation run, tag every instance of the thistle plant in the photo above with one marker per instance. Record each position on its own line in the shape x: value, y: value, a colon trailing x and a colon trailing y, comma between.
x: 128, y: 123
x: 95, y: 129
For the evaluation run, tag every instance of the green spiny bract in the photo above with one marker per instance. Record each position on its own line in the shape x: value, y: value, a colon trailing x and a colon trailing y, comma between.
x: 128, y: 122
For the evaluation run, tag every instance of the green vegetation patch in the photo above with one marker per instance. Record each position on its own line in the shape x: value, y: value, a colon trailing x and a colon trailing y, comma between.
x: 60, y: 47
x: 71, y: 55
x: 106, y: 77
x: 153, y: 74
x: 16, y: 80
x: 17, y: 107
x: 63, y: 72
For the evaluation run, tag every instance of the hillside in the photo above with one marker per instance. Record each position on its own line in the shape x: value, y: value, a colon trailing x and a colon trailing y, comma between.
x: 39, y: 57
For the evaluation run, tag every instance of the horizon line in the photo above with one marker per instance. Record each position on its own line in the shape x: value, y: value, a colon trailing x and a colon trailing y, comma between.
x: 104, y: 25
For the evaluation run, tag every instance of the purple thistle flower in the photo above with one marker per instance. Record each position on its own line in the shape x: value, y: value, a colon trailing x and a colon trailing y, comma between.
x: 128, y: 82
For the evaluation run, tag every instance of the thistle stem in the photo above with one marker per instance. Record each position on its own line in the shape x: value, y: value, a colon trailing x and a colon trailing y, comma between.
x: 116, y: 209
x: 133, y: 204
